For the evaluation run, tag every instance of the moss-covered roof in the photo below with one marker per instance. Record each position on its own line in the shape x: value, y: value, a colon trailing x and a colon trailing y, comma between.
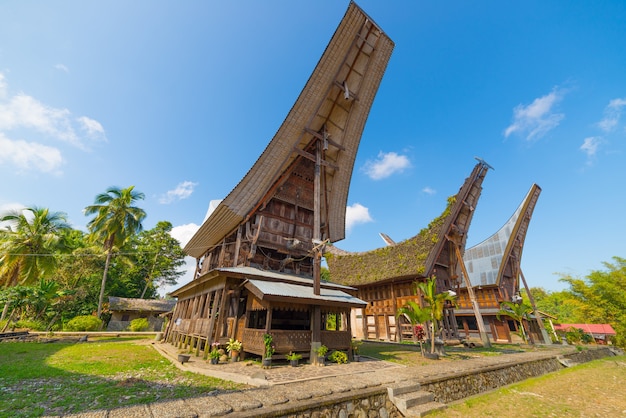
x: 405, y: 259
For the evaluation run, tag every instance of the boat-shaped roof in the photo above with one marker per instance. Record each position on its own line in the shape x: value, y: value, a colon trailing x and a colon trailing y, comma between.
x: 333, y: 107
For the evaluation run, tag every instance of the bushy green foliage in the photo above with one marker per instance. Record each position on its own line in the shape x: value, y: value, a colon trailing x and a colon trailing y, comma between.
x: 139, y: 324
x: 338, y: 357
x: 30, y: 324
x: 84, y: 323
x: 577, y: 335
x: 598, y: 298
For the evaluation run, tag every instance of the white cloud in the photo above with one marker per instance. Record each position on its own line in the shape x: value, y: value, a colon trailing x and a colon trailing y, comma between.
x: 357, y: 214
x: 590, y: 145
x: 3, y: 87
x: 37, y: 119
x: 9, y: 207
x: 183, y: 234
x: 385, y: 165
x: 93, y: 128
x: 30, y: 155
x: 62, y: 67
x: 182, y: 191
x: 538, y: 118
x: 612, y: 115
x: 428, y: 190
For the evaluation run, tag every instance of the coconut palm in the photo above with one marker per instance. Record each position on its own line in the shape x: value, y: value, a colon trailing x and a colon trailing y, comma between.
x: 517, y: 312
x: 28, y: 244
x: 115, y: 221
x: 436, y: 303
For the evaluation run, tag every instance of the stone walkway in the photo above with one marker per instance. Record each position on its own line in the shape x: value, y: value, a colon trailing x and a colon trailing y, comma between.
x: 283, y: 387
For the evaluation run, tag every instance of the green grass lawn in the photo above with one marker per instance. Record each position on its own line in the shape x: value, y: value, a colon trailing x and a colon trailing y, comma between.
x: 66, y: 377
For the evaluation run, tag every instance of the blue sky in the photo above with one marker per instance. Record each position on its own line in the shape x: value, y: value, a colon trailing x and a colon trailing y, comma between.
x: 180, y: 98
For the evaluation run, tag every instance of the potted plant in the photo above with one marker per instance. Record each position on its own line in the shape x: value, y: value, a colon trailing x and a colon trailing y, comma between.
x: 338, y: 357
x: 293, y: 358
x: 321, y: 354
x: 234, y: 348
x: 355, y: 344
x: 215, y: 354
x: 183, y: 357
x: 268, y: 341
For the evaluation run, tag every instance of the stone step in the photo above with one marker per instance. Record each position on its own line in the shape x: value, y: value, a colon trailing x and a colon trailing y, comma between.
x: 424, y: 409
x: 408, y: 400
x: 400, y: 389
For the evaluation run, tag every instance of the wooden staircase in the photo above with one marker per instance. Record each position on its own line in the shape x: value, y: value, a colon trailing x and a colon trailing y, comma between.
x: 411, y: 401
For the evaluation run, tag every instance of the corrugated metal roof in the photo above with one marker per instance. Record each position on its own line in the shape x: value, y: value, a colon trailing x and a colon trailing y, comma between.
x: 143, y: 305
x: 292, y: 290
x: 589, y: 328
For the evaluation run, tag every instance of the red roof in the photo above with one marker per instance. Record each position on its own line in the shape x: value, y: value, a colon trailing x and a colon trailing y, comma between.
x: 606, y: 329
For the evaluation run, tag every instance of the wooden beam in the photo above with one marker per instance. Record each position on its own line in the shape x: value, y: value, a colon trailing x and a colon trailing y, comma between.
x: 321, y: 138
x: 312, y: 157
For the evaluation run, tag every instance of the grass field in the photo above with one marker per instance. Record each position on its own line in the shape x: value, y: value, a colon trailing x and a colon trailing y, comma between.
x: 594, y: 389
x: 65, y: 377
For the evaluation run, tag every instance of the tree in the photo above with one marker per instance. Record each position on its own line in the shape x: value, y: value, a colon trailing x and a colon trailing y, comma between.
x: 115, y: 221
x: 436, y: 303
x: 517, y: 312
x: 28, y: 244
x: 602, y: 297
x: 562, y: 304
x: 157, y: 257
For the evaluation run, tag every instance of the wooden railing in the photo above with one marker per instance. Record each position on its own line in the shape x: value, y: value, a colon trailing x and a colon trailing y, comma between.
x: 299, y: 341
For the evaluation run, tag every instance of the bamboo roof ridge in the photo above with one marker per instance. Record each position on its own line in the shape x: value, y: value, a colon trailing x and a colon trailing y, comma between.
x: 334, y: 104
x: 418, y: 256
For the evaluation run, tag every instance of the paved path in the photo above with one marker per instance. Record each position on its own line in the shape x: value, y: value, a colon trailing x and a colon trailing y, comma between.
x: 282, y: 386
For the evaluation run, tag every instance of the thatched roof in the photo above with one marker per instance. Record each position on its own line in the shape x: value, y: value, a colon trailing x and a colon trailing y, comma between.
x: 406, y: 258
x: 140, y: 305
x: 415, y: 257
x: 337, y: 97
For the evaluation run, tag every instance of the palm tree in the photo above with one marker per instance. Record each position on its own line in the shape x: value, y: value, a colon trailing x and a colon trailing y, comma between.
x: 415, y: 314
x: 436, y: 303
x: 517, y: 312
x: 115, y: 221
x: 29, y: 243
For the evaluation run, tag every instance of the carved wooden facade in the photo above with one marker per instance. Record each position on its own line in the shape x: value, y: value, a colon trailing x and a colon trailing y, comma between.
x: 384, y: 277
x: 265, y: 236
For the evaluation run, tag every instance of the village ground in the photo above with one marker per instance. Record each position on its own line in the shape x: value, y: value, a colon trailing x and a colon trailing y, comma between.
x: 593, y: 389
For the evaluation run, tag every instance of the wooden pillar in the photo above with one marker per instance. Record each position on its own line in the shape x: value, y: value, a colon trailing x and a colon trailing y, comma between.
x: 542, y: 328
x: 479, y: 318
x: 214, y: 306
x: 316, y: 313
x: 237, y: 246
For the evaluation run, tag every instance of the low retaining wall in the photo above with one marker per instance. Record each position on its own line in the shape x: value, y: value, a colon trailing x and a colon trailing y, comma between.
x: 376, y: 403
x: 452, y: 388
x: 367, y: 403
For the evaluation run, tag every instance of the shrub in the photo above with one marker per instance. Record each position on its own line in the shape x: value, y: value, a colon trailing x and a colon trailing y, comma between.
x: 84, y: 323
x: 139, y: 324
x: 338, y: 357
x: 30, y: 324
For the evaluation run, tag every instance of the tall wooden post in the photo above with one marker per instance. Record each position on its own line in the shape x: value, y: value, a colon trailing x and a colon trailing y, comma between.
x: 542, y: 328
x: 316, y: 319
x: 479, y: 318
